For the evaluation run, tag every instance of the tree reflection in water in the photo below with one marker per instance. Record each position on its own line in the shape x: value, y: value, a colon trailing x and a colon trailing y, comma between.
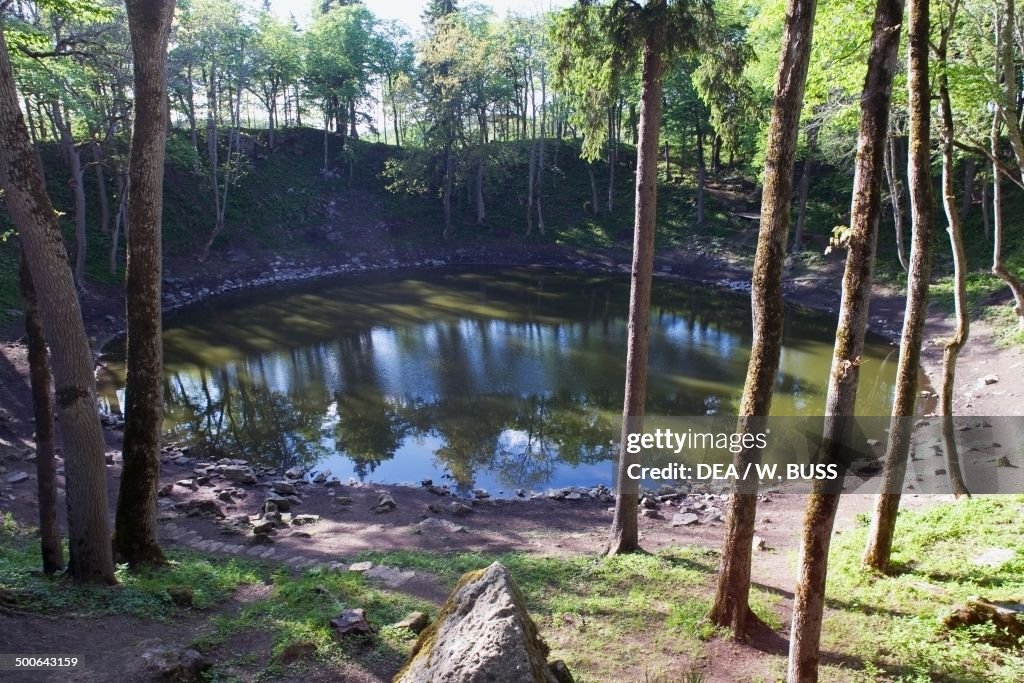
x: 513, y: 376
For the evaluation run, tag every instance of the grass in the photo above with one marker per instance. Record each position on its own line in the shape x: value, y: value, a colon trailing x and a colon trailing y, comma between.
x: 636, y: 617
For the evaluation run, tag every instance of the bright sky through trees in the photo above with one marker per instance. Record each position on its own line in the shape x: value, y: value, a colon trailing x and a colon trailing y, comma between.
x: 410, y: 11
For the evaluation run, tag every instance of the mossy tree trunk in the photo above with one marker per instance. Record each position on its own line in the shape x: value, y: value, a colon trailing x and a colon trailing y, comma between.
x: 956, y: 241
x: 32, y: 212
x: 841, y: 396
x: 624, y: 535
x: 922, y: 211
x: 149, y: 23
x: 731, y: 607
x: 42, y: 414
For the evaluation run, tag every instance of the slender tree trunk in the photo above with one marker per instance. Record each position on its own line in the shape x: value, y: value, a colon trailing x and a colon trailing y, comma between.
x: 595, y: 204
x: 613, y: 147
x: 970, y: 171
x: 895, y: 198
x: 101, y: 187
x: 922, y: 209
x: 119, y: 218
x: 74, y: 160
x: 731, y: 607
x: 956, y: 241
x: 624, y: 536
x: 149, y: 23
x: 841, y: 396
x: 804, y: 190
x: 83, y: 447
x: 702, y: 177
x: 1006, y: 65
x: 447, y: 192
x: 986, y: 220
x: 42, y: 413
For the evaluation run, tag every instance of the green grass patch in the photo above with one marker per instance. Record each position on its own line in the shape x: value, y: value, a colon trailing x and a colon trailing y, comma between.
x: 893, y: 624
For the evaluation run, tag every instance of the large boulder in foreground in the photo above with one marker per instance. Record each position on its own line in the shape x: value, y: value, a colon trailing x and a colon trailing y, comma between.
x: 482, y: 634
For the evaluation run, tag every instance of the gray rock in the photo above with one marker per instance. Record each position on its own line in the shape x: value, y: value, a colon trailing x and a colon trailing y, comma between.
x: 361, y: 567
x: 414, y: 621
x: 385, y: 503
x: 649, y: 503
x: 280, y: 502
x: 389, y: 576
x: 990, y: 379
x: 285, y: 488
x: 684, y: 519
x: 440, y: 525
x: 459, y: 509
x: 170, y: 663
x: 482, y: 633
x: 243, y: 474
x: 295, y: 473
x: 575, y: 495
x: 300, y: 520
x: 17, y: 477
x: 761, y: 544
x: 351, y: 621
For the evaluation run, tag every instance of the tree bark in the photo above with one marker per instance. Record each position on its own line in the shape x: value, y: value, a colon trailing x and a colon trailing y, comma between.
x: 970, y: 171
x: 922, y: 211
x: 702, y: 175
x: 42, y: 413
x: 33, y: 214
x: 959, y: 339
x: 805, y: 190
x: 1005, y: 63
x: 731, y: 606
x: 74, y: 161
x: 841, y: 396
x: 149, y: 23
x: 101, y: 187
x: 624, y: 536
x: 896, y: 199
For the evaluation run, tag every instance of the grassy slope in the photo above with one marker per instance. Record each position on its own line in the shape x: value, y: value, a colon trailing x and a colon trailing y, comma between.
x: 649, y: 608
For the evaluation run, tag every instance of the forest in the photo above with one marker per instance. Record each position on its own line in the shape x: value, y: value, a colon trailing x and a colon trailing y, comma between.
x: 330, y: 332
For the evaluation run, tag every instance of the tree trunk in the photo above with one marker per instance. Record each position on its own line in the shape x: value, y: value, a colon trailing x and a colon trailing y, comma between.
x: 922, y: 212
x: 101, y: 187
x: 119, y: 218
x: 74, y: 161
x: 595, y: 205
x: 613, y: 147
x: 42, y: 414
x: 970, y: 171
x: 702, y: 178
x: 896, y: 199
x: 731, y: 606
x: 481, y: 209
x: 804, y: 190
x: 956, y: 241
x: 1005, y: 62
x: 83, y: 447
x: 841, y: 396
x: 149, y: 24
x: 446, y: 197
x: 624, y: 536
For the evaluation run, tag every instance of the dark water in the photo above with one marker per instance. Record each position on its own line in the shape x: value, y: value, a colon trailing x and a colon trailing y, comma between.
x: 499, y: 379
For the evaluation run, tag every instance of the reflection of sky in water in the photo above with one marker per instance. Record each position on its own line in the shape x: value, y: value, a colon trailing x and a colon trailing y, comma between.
x: 502, y: 379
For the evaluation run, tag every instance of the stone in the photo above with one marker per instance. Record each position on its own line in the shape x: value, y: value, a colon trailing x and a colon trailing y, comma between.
x: 575, y: 495
x: 225, y: 496
x: 263, y: 526
x: 437, y: 508
x: 481, y: 494
x: 646, y: 512
x: 414, y: 621
x: 649, y: 503
x: 295, y: 473
x: 437, y: 490
x: 561, y: 672
x: 990, y: 379
x: 761, y: 544
x: 321, y: 477
x: 361, y: 567
x: 165, y: 490
x: 280, y: 502
x: 299, y: 520
x: 459, y: 509
x: 684, y: 519
x: 285, y: 488
x: 195, y: 508
x: 187, y: 484
x: 169, y: 663
x: 16, y: 478
x: 435, y: 524
x: 389, y: 576
x: 385, y: 503
x: 351, y: 621
x: 482, y: 633
x: 243, y: 474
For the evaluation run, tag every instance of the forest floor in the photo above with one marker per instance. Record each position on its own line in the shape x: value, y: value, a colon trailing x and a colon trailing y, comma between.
x: 644, y: 625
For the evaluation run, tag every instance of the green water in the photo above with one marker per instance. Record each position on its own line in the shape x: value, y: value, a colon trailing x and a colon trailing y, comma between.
x: 496, y: 378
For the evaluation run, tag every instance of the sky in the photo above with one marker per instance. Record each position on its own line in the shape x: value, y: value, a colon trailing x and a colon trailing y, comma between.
x: 408, y: 11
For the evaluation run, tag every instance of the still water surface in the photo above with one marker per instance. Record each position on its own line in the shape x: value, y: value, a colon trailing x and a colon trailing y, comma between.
x: 495, y: 379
